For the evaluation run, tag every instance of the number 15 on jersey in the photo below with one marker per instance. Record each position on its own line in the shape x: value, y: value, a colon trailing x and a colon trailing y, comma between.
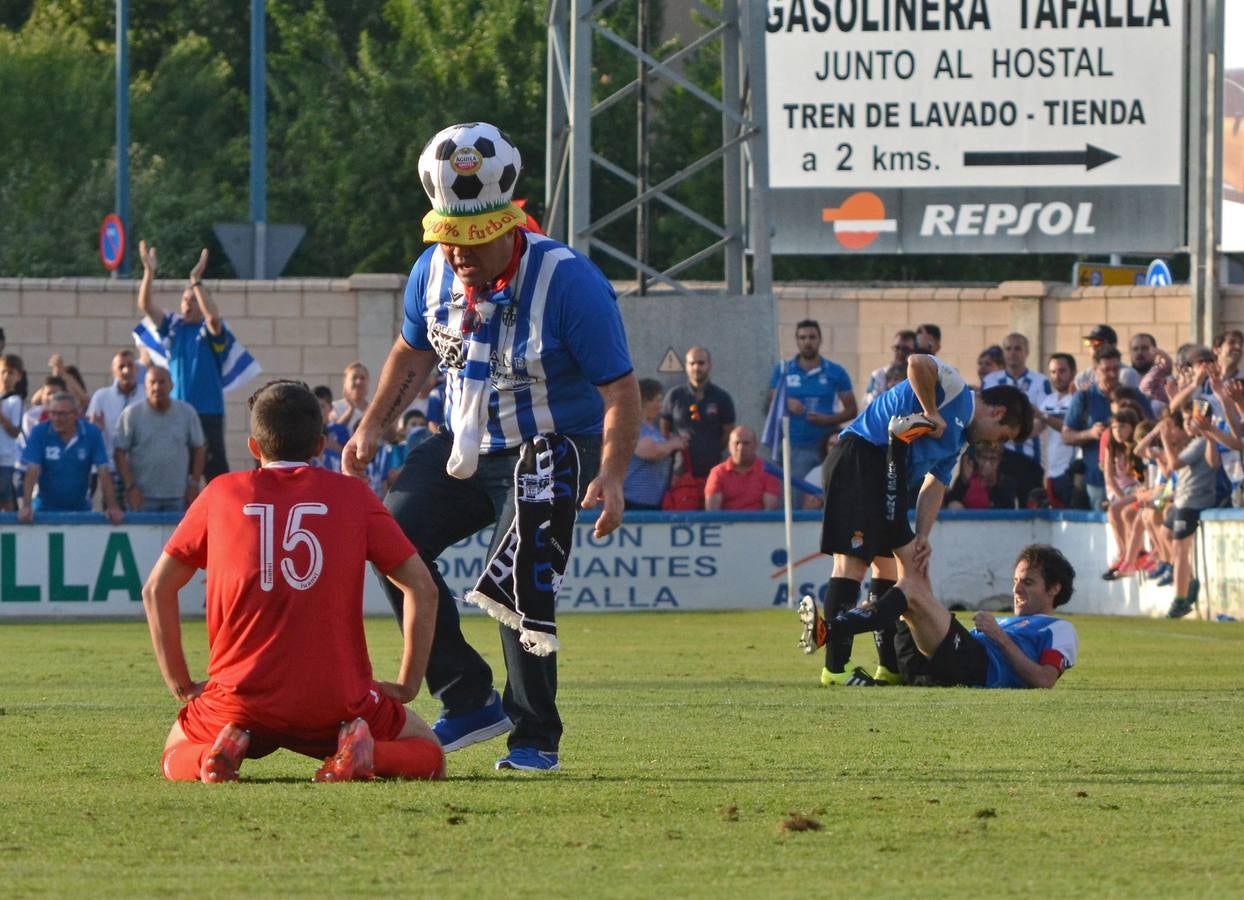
x: 295, y: 535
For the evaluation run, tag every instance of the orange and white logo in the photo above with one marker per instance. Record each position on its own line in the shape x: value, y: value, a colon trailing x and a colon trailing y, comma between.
x: 466, y: 161
x: 859, y: 220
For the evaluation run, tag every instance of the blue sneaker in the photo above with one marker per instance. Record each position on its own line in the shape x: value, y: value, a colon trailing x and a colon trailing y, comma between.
x: 528, y: 759
x: 487, y: 722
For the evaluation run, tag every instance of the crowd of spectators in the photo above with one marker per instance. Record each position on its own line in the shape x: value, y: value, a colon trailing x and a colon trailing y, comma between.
x: 1150, y: 440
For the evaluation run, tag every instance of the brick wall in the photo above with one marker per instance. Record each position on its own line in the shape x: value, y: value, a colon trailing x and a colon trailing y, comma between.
x: 859, y: 322
x: 310, y: 329
x: 305, y: 329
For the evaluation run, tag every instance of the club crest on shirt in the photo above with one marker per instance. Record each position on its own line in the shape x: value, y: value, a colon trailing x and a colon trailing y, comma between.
x: 448, y: 344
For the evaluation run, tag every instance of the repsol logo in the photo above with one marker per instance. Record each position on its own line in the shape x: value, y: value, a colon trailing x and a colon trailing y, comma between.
x: 990, y: 219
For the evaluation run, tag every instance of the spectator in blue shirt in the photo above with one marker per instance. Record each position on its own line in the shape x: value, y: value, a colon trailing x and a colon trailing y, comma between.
x: 197, y: 344
x: 529, y: 334
x: 819, y: 397
x: 415, y: 428
x: 59, y: 456
x: 648, y: 475
x: 335, y: 434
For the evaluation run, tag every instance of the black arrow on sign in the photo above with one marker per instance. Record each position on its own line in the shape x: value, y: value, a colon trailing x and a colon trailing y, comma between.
x: 1090, y: 157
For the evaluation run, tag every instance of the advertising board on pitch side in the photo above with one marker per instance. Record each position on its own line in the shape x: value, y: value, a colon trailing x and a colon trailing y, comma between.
x: 975, y: 126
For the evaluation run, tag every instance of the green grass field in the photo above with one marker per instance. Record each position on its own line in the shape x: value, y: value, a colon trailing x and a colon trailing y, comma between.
x: 690, y: 740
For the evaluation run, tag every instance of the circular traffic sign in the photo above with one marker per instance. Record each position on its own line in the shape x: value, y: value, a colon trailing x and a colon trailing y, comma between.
x: 112, y: 241
x: 1159, y: 274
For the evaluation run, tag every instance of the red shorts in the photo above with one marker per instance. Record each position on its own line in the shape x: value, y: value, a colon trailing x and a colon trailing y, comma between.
x: 202, y: 718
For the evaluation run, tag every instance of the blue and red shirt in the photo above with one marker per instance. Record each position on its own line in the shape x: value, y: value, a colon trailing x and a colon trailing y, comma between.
x: 1047, y: 640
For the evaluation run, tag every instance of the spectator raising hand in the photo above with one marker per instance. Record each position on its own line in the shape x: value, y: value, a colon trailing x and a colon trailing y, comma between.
x: 194, y: 345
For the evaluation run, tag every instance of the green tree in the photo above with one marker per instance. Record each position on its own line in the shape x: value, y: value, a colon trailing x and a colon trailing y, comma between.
x: 53, y: 179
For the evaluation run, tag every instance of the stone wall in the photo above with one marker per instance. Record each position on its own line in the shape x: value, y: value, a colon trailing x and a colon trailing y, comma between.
x: 305, y: 329
x: 310, y: 329
x: 859, y: 322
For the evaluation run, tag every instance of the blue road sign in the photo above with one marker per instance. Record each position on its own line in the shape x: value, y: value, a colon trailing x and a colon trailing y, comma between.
x: 1158, y: 274
x: 111, y: 241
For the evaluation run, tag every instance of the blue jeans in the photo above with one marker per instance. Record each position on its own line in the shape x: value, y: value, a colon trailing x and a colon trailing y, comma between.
x: 436, y: 510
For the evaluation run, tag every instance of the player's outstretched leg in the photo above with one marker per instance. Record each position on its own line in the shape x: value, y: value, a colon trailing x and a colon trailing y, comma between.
x: 225, y: 757
x: 814, y: 632
x: 353, y: 760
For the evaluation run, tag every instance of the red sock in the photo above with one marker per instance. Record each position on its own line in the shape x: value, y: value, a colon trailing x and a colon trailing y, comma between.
x: 411, y: 758
x: 183, y: 760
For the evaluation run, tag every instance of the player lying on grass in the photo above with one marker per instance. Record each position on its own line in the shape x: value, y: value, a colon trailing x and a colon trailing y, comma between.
x: 908, y: 439
x: 1030, y: 649
x: 284, y: 546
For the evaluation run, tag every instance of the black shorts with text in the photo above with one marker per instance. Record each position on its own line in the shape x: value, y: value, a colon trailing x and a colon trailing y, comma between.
x: 865, y: 499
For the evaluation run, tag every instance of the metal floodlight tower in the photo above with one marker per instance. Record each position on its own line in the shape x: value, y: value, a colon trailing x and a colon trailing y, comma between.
x: 737, y: 30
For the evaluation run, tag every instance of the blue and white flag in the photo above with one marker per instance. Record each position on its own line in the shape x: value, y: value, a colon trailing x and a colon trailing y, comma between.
x: 772, y: 435
x: 236, y: 367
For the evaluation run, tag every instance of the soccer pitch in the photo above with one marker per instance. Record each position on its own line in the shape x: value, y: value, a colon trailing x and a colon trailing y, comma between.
x: 697, y: 747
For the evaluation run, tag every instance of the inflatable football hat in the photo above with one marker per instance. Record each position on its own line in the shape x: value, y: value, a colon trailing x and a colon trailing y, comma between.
x: 469, y: 171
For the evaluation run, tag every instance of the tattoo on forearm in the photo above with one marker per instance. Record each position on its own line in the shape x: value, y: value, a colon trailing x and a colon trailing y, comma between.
x: 399, y: 400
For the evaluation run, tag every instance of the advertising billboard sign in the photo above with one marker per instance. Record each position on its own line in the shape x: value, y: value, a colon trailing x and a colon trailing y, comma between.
x: 932, y: 126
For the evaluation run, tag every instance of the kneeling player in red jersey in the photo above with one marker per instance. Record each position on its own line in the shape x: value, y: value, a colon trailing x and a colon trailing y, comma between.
x: 284, y: 546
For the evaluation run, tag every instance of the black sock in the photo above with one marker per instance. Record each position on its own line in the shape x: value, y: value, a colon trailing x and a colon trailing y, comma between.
x: 884, y: 637
x: 842, y: 595
x: 891, y: 605
x: 878, y: 588
x: 881, y: 614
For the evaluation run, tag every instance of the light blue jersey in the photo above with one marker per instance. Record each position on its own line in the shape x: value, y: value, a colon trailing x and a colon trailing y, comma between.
x: 558, y: 337
x: 925, y: 455
x: 1046, y: 640
x: 817, y: 389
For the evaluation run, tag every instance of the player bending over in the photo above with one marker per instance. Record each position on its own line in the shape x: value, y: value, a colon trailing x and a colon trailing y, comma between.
x: 909, y: 438
x: 1029, y: 649
x: 284, y: 546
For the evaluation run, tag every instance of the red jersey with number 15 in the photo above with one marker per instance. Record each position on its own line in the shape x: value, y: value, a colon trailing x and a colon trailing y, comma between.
x: 284, y: 547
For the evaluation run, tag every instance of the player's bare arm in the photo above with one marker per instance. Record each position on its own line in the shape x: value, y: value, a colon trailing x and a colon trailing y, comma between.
x: 403, y: 375
x: 418, y: 625
x: 922, y: 376
x: 1034, y: 674
x: 167, y: 578
x: 621, y: 434
x: 145, y: 305
x: 928, y: 504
